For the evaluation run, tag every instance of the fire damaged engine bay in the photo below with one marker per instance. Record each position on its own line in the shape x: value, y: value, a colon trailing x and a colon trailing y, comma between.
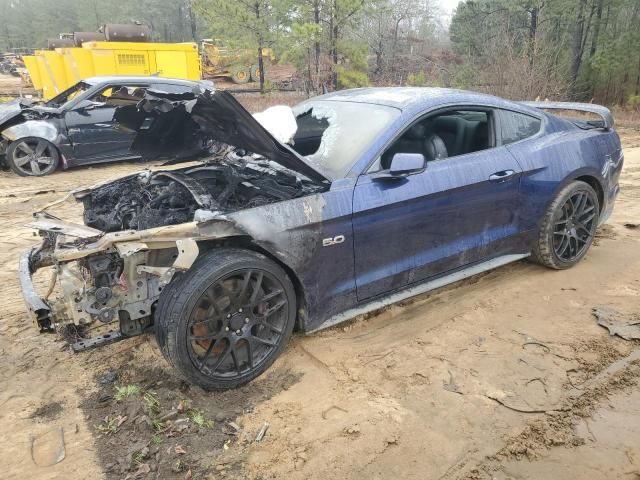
x: 169, y: 197
x: 113, y: 268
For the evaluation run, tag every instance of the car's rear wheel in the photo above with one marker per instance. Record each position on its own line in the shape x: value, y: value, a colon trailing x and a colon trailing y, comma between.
x: 225, y: 321
x: 569, y: 226
x: 32, y: 157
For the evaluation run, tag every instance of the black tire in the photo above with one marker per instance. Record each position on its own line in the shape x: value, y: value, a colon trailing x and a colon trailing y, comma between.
x: 568, y: 227
x: 255, y: 73
x: 215, y: 305
x: 241, y: 75
x: 32, y: 157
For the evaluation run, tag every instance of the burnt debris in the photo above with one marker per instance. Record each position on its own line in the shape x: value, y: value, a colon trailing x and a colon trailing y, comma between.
x: 247, y: 166
x: 152, y: 199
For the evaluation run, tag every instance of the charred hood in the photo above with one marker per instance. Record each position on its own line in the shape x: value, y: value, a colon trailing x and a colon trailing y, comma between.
x: 164, y: 122
x: 169, y: 197
x: 22, y: 109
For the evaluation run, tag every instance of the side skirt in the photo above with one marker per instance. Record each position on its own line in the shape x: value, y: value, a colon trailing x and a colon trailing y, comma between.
x: 412, y: 291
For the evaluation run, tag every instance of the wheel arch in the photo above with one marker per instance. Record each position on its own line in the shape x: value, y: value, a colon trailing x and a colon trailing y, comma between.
x: 32, y: 128
x: 594, y: 183
x: 587, y: 175
x: 248, y: 243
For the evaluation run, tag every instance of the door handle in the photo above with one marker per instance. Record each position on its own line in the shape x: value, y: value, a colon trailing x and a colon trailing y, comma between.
x: 501, y: 176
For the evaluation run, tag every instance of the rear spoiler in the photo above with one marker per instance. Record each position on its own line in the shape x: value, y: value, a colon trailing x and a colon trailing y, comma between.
x: 603, y: 112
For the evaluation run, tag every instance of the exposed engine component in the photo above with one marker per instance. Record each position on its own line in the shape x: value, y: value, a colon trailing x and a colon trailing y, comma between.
x: 170, y: 197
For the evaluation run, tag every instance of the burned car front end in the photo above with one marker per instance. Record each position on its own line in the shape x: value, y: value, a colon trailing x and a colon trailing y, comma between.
x: 141, y: 230
x: 100, y: 277
x: 138, y: 232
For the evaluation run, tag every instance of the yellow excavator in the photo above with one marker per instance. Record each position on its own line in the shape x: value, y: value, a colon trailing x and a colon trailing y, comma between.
x: 240, y: 65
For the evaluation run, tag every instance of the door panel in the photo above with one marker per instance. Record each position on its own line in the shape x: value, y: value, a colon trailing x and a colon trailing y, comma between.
x: 93, y: 134
x: 458, y: 211
x: 92, y: 130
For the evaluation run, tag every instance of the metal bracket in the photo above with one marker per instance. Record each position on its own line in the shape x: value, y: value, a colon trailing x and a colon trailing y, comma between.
x: 94, y: 342
x: 187, y: 253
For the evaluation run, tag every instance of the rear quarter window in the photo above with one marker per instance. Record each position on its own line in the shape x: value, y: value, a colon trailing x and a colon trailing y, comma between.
x: 517, y: 126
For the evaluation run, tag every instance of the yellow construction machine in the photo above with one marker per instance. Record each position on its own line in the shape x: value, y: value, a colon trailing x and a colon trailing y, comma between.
x: 240, y: 65
x: 116, y: 50
x: 128, y: 50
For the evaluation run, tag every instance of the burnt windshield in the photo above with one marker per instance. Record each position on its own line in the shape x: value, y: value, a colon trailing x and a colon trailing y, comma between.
x: 331, y: 135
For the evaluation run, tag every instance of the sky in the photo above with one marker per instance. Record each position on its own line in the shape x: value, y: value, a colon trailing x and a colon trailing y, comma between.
x: 448, y: 6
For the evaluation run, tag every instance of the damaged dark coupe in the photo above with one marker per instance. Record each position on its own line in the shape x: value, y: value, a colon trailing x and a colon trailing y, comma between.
x: 77, y: 126
x: 307, y: 217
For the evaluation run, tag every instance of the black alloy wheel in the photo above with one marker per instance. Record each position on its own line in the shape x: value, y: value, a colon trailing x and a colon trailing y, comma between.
x: 569, y: 226
x: 236, y: 323
x: 223, y: 322
x: 575, y: 226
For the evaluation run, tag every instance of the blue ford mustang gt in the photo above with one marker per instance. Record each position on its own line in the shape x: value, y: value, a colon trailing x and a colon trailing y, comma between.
x: 313, y: 215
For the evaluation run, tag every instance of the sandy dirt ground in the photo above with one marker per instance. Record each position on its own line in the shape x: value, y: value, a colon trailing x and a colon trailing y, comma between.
x: 11, y: 86
x: 506, y: 376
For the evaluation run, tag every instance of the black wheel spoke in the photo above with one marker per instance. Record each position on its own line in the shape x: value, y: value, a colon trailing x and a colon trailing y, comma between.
x: 580, y: 226
x: 580, y: 204
x: 256, y: 288
x: 197, y: 338
x: 245, y: 285
x: 235, y: 361
x: 212, y: 345
x: 271, y: 327
x: 565, y: 242
x: 274, y: 308
x: 270, y: 296
x: 586, y: 211
x: 249, y: 353
x: 263, y: 341
x: 588, y: 218
x: 223, y: 356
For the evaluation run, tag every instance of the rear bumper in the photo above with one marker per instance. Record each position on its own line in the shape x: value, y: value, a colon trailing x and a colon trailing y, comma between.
x: 611, y: 173
x: 609, y: 203
x: 38, y: 308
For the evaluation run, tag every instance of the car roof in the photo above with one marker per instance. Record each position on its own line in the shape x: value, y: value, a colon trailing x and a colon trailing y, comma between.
x: 409, y: 98
x: 138, y: 79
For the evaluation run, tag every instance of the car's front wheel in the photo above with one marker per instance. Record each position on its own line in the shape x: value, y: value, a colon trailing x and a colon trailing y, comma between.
x: 225, y: 321
x: 32, y: 157
x: 569, y: 227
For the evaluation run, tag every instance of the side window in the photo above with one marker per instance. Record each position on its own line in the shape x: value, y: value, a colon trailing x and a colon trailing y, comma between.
x: 119, y: 95
x: 448, y: 134
x: 517, y: 126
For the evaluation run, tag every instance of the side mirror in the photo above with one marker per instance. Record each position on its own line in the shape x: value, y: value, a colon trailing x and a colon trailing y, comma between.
x: 403, y: 165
